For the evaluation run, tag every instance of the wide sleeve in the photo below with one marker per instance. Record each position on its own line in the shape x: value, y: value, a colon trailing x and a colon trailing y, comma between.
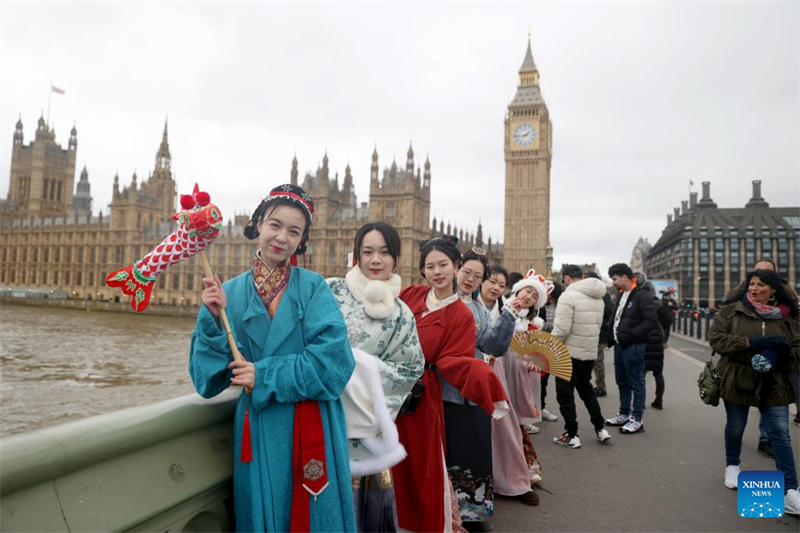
x: 402, y: 362
x: 321, y: 370
x: 494, y: 338
x: 456, y: 362
x: 209, y: 356
x: 565, y: 313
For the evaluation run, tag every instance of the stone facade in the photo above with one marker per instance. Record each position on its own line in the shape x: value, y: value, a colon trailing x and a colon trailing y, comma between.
x: 639, y: 254
x: 709, y: 249
x: 528, y: 157
x: 46, y: 245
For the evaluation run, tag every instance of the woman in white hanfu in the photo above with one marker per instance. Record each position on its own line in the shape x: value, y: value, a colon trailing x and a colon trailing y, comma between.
x: 389, y: 360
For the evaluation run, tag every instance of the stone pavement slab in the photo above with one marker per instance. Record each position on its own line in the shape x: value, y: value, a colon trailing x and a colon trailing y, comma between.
x: 669, y: 478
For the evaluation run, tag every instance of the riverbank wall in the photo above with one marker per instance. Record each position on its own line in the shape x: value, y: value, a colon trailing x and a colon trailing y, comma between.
x: 97, y: 305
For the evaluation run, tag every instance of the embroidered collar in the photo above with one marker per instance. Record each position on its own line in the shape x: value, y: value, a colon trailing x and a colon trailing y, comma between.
x: 269, y: 282
x: 377, y: 296
x: 466, y: 298
x: 434, y: 305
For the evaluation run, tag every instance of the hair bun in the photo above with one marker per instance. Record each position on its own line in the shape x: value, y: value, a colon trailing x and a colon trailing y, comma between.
x: 450, y: 239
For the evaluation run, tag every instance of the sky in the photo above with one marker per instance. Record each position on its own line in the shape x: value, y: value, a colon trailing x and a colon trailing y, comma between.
x: 644, y: 97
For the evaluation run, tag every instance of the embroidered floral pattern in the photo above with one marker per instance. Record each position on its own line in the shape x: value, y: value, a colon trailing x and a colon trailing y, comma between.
x: 269, y: 283
x: 393, y: 340
x: 313, y: 470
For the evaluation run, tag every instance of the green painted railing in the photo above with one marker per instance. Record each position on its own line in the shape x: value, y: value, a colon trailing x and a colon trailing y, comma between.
x: 160, y: 467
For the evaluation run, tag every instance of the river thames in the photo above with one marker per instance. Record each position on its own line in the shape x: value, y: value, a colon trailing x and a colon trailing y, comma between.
x: 58, y: 365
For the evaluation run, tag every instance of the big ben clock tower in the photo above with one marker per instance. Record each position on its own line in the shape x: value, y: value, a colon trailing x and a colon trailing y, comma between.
x: 528, y: 154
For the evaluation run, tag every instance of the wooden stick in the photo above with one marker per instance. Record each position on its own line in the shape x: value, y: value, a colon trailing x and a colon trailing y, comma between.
x: 237, y: 355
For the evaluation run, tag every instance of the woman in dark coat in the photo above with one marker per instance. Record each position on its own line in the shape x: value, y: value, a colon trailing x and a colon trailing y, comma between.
x: 758, y: 337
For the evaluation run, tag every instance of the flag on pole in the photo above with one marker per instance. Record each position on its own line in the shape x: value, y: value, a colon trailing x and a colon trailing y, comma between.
x: 56, y: 89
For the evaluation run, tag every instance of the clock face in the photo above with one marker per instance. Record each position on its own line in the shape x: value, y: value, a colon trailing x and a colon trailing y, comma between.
x: 524, y: 135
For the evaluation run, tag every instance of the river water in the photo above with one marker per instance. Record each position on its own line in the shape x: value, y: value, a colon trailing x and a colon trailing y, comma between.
x: 58, y: 365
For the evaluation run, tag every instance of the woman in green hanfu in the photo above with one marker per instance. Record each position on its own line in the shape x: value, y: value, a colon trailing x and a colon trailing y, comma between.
x: 291, y: 468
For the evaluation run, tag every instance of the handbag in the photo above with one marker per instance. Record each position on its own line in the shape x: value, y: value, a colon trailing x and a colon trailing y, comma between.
x: 709, y: 383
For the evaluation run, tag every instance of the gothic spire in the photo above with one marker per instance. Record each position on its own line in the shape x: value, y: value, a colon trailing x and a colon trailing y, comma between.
x: 528, y: 65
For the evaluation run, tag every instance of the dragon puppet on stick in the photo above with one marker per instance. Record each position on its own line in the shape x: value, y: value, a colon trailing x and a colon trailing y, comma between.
x: 199, y: 223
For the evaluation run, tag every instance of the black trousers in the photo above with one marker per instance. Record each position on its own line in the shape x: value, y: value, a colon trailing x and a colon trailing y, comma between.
x: 659, y: 375
x: 545, y: 380
x: 565, y: 394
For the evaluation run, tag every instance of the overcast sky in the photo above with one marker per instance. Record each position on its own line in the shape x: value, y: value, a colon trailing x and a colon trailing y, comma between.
x: 643, y: 97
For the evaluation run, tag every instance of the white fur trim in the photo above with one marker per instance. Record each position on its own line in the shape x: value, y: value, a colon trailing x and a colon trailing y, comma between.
x: 377, y: 296
x: 385, y: 448
x: 538, y: 323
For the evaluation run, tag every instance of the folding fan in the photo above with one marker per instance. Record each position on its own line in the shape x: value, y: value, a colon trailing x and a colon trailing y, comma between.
x: 545, y: 351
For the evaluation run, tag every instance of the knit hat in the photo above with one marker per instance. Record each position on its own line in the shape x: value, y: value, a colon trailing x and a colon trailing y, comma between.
x: 537, y: 283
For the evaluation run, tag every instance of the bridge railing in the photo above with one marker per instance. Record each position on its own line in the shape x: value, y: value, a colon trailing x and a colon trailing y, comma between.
x: 161, y: 467
x: 693, y: 322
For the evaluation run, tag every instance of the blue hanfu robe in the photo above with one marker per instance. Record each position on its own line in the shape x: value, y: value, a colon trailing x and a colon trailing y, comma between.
x: 301, y: 354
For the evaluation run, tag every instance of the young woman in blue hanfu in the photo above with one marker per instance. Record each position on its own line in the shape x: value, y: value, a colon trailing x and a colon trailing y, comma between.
x: 291, y: 466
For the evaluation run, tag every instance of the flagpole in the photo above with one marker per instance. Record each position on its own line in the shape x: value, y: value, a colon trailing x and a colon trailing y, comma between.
x: 49, y: 96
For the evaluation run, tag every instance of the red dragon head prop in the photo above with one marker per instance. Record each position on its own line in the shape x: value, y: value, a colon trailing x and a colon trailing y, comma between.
x: 199, y: 223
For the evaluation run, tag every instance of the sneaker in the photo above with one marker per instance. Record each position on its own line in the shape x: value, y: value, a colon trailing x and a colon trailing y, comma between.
x: 536, y: 478
x: 796, y: 420
x: 765, y: 448
x: 657, y: 405
x: 732, y: 477
x: 633, y: 426
x: 791, y: 502
x: 547, y: 416
x: 618, y: 420
x: 530, y: 428
x: 603, y: 436
x: 567, y: 442
x: 599, y: 393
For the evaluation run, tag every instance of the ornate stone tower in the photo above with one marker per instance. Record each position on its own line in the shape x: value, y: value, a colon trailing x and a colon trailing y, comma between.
x: 82, y: 201
x: 144, y: 205
x: 403, y: 199
x: 528, y: 154
x: 42, y: 173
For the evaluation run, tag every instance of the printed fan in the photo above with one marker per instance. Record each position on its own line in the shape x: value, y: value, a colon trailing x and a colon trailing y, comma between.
x: 545, y: 351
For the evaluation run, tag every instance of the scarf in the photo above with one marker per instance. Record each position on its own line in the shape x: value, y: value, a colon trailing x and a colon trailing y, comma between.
x: 765, y: 311
x: 377, y: 296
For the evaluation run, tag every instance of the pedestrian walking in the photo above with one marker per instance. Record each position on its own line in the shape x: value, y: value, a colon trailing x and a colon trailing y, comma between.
x: 758, y: 338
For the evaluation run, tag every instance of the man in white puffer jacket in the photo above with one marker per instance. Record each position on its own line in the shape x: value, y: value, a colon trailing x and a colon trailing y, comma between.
x: 579, y: 317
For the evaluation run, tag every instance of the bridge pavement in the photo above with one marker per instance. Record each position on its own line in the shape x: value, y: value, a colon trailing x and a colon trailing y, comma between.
x: 669, y: 478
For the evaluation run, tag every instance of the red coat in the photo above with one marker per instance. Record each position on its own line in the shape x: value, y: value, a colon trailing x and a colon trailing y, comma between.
x: 447, y: 337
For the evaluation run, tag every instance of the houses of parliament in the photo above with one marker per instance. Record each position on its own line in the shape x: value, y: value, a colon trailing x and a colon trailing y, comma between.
x: 50, y: 238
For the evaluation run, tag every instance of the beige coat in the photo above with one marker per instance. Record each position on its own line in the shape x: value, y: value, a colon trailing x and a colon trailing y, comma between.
x: 579, y: 317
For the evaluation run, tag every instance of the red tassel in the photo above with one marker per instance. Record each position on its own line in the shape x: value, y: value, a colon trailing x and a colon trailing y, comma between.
x: 293, y: 260
x: 247, y: 447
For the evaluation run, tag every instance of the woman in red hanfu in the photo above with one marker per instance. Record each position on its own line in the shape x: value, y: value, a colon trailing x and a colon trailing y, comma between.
x: 446, y: 329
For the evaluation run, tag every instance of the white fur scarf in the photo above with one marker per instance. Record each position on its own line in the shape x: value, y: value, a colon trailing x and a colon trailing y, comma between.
x: 377, y: 296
